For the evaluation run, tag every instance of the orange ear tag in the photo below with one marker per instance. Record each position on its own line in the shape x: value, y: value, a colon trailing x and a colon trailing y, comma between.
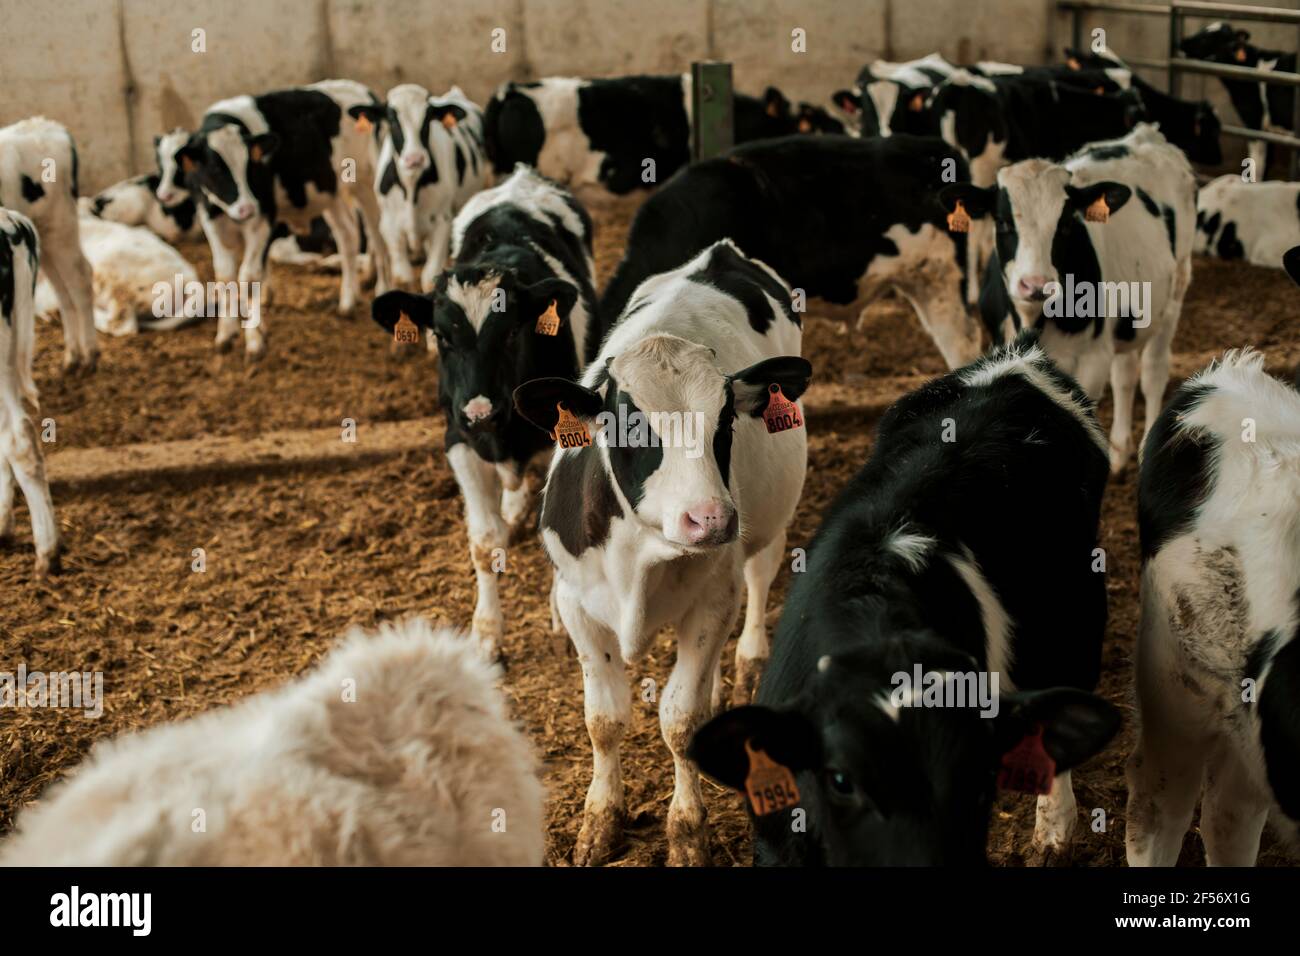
x: 405, y: 332
x: 1098, y: 211
x: 1072, y: 63
x: 770, y: 785
x: 959, y: 219
x: 1028, y: 767
x: 256, y: 153
x: 570, y: 432
x: 363, y: 124
x: 1099, y: 90
x: 781, y: 414
x: 187, y: 164
x: 804, y: 125
x: 548, y: 323
x: 448, y: 120
x: 917, y: 103
x: 1241, y: 54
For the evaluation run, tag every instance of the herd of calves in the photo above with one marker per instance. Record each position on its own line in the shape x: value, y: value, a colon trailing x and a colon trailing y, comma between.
x: 945, y: 636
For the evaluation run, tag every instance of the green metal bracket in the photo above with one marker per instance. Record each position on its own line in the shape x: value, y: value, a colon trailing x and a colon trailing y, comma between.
x: 713, y: 110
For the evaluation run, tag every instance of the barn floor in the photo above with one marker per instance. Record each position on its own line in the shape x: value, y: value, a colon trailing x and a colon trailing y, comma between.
x: 296, y: 555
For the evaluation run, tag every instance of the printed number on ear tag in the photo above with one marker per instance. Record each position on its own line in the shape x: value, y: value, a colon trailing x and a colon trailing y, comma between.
x: 570, y: 432
x: 1098, y: 211
x: 781, y: 415
x: 548, y: 323
x: 1028, y: 767
x: 959, y: 219
x: 363, y: 124
x: 770, y: 785
x: 405, y: 332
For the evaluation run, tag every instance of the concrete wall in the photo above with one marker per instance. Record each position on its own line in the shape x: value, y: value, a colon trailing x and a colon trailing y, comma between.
x: 119, y: 71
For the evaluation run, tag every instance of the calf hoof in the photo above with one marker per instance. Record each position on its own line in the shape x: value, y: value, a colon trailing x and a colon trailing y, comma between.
x: 688, y: 842
x: 222, y: 346
x: 601, y: 835
x: 1050, y: 856
x: 49, y: 564
x: 346, y: 311
x: 748, y: 672
x: 488, y: 632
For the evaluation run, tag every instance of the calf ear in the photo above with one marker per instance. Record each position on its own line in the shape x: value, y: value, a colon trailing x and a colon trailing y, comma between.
x: 1291, y: 263
x: 775, y: 103
x: 261, y: 146
x: 1075, y: 724
x: 388, y: 308
x: 375, y: 112
x: 537, y: 399
x: 447, y: 114
x: 848, y: 101
x: 978, y: 201
x: 1115, y: 195
x: 537, y: 298
x: 750, y: 385
x: 787, y: 736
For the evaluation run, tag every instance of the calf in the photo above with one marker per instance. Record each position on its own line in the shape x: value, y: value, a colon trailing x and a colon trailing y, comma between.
x: 840, y: 218
x: 1192, y: 127
x: 134, y: 202
x: 517, y: 304
x: 1103, y: 277
x: 1260, y: 105
x: 20, y: 445
x: 38, y: 177
x: 417, y: 768
x: 604, y: 131
x: 916, y: 571
x: 683, y: 495
x: 890, y: 97
x: 1218, y: 655
x: 256, y: 161
x: 1257, y: 221
x: 430, y: 162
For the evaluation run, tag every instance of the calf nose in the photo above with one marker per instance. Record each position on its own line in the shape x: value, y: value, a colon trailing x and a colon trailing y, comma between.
x: 413, y: 160
x: 478, y: 412
x: 1031, y: 287
x: 243, y: 211
x: 709, y: 522
x: 165, y: 197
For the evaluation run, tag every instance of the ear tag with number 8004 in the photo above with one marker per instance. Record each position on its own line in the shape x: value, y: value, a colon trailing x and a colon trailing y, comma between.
x: 569, y: 431
x: 770, y: 785
x: 781, y: 414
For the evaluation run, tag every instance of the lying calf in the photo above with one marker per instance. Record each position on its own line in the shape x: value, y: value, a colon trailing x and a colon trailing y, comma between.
x: 683, y: 495
x: 917, y: 570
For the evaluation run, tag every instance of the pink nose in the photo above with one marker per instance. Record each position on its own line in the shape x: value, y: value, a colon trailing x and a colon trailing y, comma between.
x: 709, y: 522
x: 1029, y: 287
x: 243, y: 210
x: 413, y: 160
x: 477, y: 409
x: 166, y: 197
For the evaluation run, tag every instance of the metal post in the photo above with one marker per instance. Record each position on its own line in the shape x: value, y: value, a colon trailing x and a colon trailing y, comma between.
x: 1076, y: 29
x: 1175, y: 37
x: 713, y: 115
x: 1295, y: 123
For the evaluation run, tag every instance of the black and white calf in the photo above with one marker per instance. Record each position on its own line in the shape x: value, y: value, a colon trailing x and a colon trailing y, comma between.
x: 838, y: 217
x: 20, y: 443
x: 1256, y: 221
x: 918, y: 570
x: 430, y: 162
x: 282, y: 157
x: 134, y: 202
x: 581, y: 131
x: 891, y: 97
x: 1261, y: 106
x: 521, y: 250
x: 1097, y: 253
x: 682, y: 496
x: 1218, y: 656
x: 38, y: 178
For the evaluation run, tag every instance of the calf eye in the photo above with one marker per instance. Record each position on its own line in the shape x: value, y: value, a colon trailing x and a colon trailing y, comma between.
x: 443, y: 341
x: 1006, y: 225
x: 840, y: 782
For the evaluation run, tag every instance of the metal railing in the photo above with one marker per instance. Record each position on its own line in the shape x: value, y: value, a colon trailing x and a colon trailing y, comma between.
x: 1179, y: 12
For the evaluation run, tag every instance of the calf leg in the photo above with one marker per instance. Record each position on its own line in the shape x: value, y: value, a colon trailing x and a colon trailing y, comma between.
x: 377, y: 246
x: 252, y: 271
x: 1055, y: 817
x: 394, y: 239
x: 481, y: 489
x: 22, y: 450
x: 339, y: 218
x: 6, y: 500
x: 686, y: 705
x: 70, y: 276
x: 1233, y: 811
x: 437, y: 258
x: 607, y: 705
x: 943, y: 315
x: 752, y: 651
x: 1123, y: 387
x: 223, y: 239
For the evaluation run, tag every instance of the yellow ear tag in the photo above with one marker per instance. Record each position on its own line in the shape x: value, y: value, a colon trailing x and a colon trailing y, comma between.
x: 570, y: 432
x: 363, y: 124
x: 548, y: 323
x: 1241, y: 54
x: 1098, y: 211
x: 917, y: 103
x: 959, y: 219
x: 405, y: 332
x: 770, y: 785
x: 448, y: 120
x: 781, y: 414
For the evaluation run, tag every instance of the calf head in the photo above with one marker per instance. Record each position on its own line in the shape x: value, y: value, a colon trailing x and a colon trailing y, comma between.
x: 810, y: 119
x: 1038, y: 215
x: 890, y: 107
x: 227, y: 165
x: 666, y: 413
x: 171, y: 188
x: 885, y: 778
x: 1220, y: 43
x: 411, y: 117
x: 1090, y: 60
x: 127, y: 202
x: 485, y: 325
